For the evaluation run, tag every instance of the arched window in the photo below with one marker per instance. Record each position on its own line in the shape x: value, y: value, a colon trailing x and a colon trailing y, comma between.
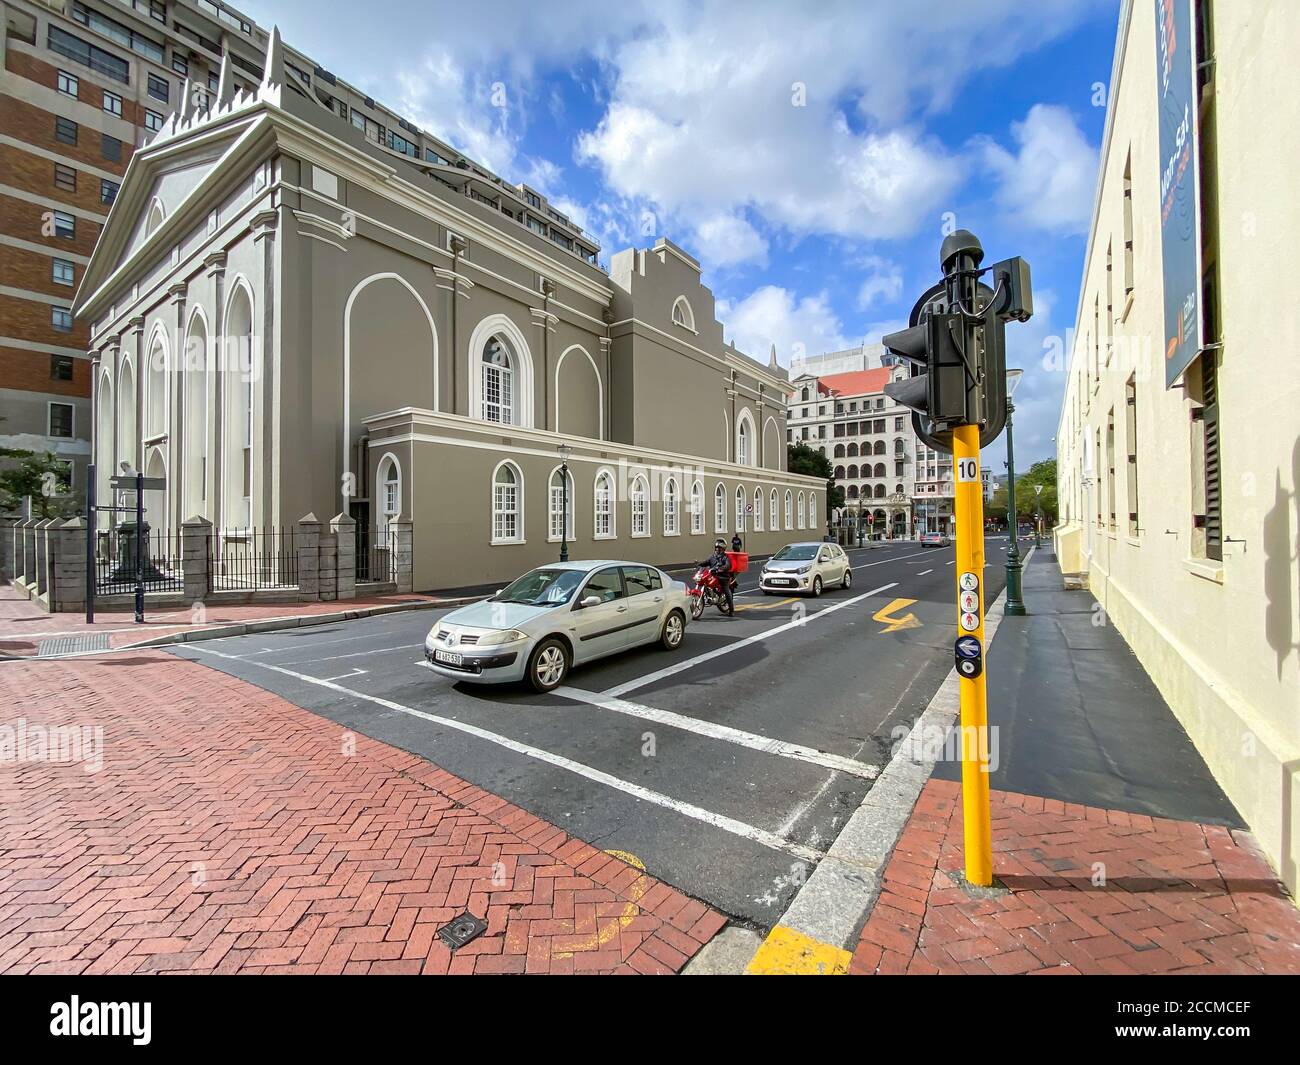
x: 239, y: 369
x: 880, y: 491
x: 498, y: 381
x: 194, y: 427
x: 878, y: 449
x: 604, y: 506
x: 853, y: 470
x: 560, y: 502
x: 804, y: 394
x: 773, y: 512
x: 390, y: 493
x: 744, y: 440
x: 813, y: 520
x: 507, y: 504
x: 640, y: 507
x: 839, y: 473
x: 799, y: 511
x: 839, y: 451
x: 898, y: 489
x: 682, y: 314
x: 741, y: 500
x: 853, y: 451
x: 879, y: 471
x: 670, y: 507
x: 852, y: 492
x: 789, y: 510
x: 719, y: 510
x: 758, y: 510
x: 697, y: 507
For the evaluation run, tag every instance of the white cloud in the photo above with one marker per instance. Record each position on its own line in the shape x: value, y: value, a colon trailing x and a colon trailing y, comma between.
x: 728, y: 240
x: 883, y: 282
x: 775, y: 315
x: 1048, y: 183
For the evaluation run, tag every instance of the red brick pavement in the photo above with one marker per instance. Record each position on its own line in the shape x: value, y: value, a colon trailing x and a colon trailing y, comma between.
x: 1179, y: 897
x: 23, y: 624
x: 231, y: 831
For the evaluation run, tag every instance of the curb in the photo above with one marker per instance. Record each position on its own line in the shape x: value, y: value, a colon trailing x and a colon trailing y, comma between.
x: 816, y: 934
x: 243, y: 628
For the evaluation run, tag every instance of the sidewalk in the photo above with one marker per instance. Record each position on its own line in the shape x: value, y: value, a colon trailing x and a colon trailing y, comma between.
x: 230, y: 831
x: 1114, y: 850
x: 27, y: 631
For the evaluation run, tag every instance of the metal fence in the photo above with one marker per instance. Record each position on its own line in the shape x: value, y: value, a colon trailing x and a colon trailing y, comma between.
x: 252, y: 558
x: 376, y: 557
x: 116, y: 564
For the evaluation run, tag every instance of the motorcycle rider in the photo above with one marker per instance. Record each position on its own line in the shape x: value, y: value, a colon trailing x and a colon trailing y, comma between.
x: 720, y: 565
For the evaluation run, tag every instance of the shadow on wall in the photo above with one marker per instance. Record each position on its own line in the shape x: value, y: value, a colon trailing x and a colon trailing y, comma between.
x: 1282, y: 588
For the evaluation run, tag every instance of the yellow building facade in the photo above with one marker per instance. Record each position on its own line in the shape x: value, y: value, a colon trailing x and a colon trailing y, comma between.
x: 1180, y: 484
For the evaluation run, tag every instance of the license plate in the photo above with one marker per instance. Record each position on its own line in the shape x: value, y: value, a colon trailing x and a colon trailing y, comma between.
x: 779, y: 580
x: 450, y: 657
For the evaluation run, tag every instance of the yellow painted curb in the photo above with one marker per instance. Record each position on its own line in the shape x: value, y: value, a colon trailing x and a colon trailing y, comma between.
x: 786, y: 952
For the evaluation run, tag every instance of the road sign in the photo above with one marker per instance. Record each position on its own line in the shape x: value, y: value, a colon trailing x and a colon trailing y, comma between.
x: 969, y: 602
x: 131, y: 483
x: 969, y: 582
x: 970, y: 622
x: 967, y: 647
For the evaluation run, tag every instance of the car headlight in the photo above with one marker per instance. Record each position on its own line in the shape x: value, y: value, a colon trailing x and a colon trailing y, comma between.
x: 804, y: 569
x: 495, y: 639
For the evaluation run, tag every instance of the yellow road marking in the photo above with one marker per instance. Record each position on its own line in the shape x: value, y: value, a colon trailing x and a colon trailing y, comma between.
x: 765, y: 606
x: 786, y: 952
x: 605, y: 931
x: 896, y: 624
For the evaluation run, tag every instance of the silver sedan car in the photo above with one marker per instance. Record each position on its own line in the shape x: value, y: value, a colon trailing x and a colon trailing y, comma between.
x: 556, y: 617
x: 806, y: 568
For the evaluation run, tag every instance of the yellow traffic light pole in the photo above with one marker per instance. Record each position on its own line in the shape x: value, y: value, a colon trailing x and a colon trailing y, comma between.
x: 969, y: 500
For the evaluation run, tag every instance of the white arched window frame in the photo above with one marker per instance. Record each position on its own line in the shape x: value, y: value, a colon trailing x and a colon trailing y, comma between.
x: 682, y: 314
x: 719, y: 509
x: 604, y: 526
x: 640, y: 506
x: 799, y: 511
x: 556, y: 504
x: 488, y: 399
x: 154, y: 218
x: 812, y: 511
x: 742, y: 499
x: 746, y: 451
x: 789, y: 510
x: 672, y: 526
x: 157, y: 412
x: 774, y: 512
x: 389, y: 479
x: 697, y: 508
x: 507, y: 504
x: 758, y: 510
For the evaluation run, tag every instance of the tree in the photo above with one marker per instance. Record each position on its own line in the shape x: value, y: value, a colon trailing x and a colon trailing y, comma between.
x: 1027, y: 500
x: 44, y: 477
x: 812, y: 463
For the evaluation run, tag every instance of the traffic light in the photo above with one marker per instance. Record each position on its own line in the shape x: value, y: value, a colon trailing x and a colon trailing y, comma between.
x: 956, y: 344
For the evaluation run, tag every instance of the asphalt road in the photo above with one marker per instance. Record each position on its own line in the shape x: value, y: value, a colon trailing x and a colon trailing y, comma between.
x: 727, y: 767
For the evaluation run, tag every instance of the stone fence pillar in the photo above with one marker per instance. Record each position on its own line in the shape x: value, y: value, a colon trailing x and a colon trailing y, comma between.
x: 196, y: 558
x: 44, y: 563
x: 68, y: 565
x: 8, y: 548
x: 307, y: 549
x: 344, y: 529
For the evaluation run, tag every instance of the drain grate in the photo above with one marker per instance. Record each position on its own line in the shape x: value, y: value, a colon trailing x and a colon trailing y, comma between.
x: 71, y: 645
x: 460, y: 930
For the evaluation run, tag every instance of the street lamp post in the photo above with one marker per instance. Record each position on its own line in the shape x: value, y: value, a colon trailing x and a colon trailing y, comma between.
x: 1038, y: 514
x: 564, y: 450
x: 1015, y: 605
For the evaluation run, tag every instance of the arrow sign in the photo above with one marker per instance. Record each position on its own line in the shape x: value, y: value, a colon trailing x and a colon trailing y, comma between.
x: 896, y: 624
x: 967, y: 647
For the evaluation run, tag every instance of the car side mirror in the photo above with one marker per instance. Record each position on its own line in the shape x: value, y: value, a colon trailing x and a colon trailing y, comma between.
x: 591, y: 600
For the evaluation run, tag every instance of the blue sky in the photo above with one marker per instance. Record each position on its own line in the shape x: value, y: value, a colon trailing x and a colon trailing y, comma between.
x: 810, y: 158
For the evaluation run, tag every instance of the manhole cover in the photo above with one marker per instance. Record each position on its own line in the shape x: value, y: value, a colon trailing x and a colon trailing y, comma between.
x: 460, y: 930
x: 71, y: 645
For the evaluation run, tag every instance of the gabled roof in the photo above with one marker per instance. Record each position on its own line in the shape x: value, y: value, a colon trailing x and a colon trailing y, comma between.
x: 857, y: 383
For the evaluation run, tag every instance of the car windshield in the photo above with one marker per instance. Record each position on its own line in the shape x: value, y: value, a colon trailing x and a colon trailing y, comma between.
x: 796, y: 553
x: 542, y: 587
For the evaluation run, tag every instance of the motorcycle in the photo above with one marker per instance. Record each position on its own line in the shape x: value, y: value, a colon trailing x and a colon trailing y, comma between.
x: 707, y: 589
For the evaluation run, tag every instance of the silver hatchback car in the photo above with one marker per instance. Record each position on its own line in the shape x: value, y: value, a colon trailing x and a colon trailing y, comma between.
x: 556, y: 617
x: 806, y: 568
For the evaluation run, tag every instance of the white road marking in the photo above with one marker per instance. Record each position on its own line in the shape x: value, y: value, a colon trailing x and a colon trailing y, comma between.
x: 668, y: 671
x: 724, y: 732
x: 721, y: 821
x: 344, y: 676
x: 883, y: 561
x: 924, y: 572
x: 950, y: 562
x: 354, y: 654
